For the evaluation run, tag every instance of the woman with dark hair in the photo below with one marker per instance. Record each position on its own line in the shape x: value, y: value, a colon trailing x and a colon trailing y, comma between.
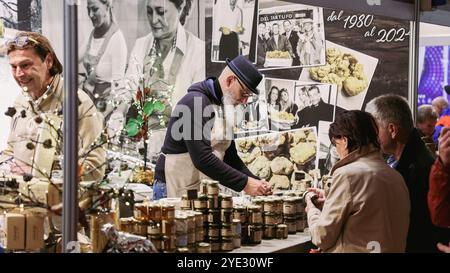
x: 104, y: 57
x: 367, y: 207
x: 169, y: 53
x: 273, y: 100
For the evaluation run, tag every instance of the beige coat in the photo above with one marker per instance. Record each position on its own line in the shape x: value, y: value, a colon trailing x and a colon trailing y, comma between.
x: 367, y: 208
x: 26, y: 130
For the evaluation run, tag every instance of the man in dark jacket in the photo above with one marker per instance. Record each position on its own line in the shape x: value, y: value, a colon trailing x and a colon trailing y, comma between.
x: 292, y: 37
x: 199, y: 144
x: 409, y: 156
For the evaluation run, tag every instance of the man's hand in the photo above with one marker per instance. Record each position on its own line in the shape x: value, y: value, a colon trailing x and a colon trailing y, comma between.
x: 320, y: 196
x: 256, y: 187
x: 444, y: 146
x: 444, y: 248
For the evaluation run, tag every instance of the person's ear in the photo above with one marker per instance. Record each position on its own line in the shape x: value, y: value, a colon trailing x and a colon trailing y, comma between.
x: 393, y: 130
x: 229, y: 81
x: 345, y: 142
x: 49, y: 61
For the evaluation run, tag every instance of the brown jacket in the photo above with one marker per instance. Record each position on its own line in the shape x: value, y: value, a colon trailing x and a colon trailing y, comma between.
x: 367, y: 208
x: 25, y: 130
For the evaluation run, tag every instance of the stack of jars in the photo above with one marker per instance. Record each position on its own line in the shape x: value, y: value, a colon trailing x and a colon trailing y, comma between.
x: 189, y: 230
x: 227, y: 231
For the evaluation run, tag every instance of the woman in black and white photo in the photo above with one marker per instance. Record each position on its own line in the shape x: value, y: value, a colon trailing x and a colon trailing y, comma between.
x: 104, y: 57
x: 273, y: 103
x: 286, y: 104
x: 169, y: 53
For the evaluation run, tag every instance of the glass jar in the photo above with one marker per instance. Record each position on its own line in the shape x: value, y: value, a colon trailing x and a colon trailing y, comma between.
x: 198, y: 216
x: 227, y: 244
x: 227, y: 230
x: 240, y: 212
x: 185, y: 202
x: 168, y: 212
x: 282, y: 231
x: 237, y: 241
x: 272, y: 218
x: 213, y: 230
x: 254, y: 215
x: 141, y: 212
x: 153, y: 228
x: 237, y: 227
x: 291, y: 223
x: 290, y: 206
x: 140, y: 228
x: 226, y: 215
x: 181, y: 223
x: 214, y: 216
x: 169, y: 243
x: 255, y: 234
x: 191, y: 238
x: 213, y: 202
x: 199, y: 235
x: 215, y: 243
x: 203, y: 248
x: 154, y: 212
x: 226, y: 201
x: 270, y: 232
x: 157, y: 241
x: 213, y: 188
x: 168, y: 228
x: 182, y: 240
x: 201, y: 202
x: 269, y: 206
x: 127, y: 224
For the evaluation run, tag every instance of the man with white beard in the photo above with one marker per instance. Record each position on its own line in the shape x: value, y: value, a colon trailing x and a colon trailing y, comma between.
x: 198, y: 144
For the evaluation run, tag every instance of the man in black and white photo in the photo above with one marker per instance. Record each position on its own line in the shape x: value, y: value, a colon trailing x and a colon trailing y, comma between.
x: 262, y: 44
x: 318, y: 110
x: 292, y: 37
x: 279, y: 42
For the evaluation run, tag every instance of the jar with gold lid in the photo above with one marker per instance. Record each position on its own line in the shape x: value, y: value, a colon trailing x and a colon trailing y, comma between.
x: 290, y: 206
x: 141, y: 212
x: 227, y: 244
x: 215, y: 243
x: 168, y: 212
x: 254, y: 215
x: 226, y: 201
x: 168, y: 228
x: 203, y: 248
x: 153, y: 228
x: 227, y: 230
x: 282, y: 231
x: 291, y: 223
x: 201, y: 202
x: 240, y: 212
x: 154, y: 211
x: 270, y: 232
x: 127, y: 224
x: 214, y: 230
x: 255, y: 234
x: 213, y: 188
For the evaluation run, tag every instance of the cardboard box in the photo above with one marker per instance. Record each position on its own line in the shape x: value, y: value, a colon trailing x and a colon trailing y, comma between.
x: 14, y: 231
x: 34, y: 232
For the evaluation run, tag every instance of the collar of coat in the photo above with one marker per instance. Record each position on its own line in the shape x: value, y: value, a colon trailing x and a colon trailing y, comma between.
x: 355, y: 155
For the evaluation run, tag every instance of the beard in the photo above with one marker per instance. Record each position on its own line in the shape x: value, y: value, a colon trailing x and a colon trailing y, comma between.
x: 229, y: 107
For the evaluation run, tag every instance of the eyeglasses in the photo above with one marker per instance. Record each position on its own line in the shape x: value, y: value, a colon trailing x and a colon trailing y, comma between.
x: 21, y: 41
x: 247, y: 93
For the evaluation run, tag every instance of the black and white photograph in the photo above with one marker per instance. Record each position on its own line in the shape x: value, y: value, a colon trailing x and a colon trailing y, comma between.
x: 232, y: 30
x: 252, y: 118
x: 290, y: 36
x: 284, y: 159
x: 281, y: 107
x: 317, y: 102
x: 25, y: 15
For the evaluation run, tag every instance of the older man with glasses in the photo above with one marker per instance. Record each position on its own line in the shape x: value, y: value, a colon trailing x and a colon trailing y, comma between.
x: 35, y: 139
x: 197, y: 145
